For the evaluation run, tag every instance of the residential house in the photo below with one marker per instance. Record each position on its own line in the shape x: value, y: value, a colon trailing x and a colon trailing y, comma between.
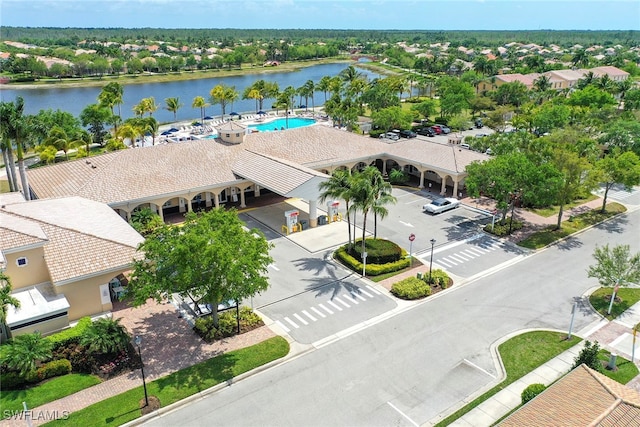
x: 62, y: 256
x: 583, y: 397
x: 614, y: 73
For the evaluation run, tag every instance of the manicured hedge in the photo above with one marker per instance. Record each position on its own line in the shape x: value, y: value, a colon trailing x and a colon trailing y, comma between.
x: 54, y: 368
x: 371, y: 269
x: 532, y: 391
x: 71, y: 335
x: 379, y: 251
x: 227, y: 324
x: 411, y: 288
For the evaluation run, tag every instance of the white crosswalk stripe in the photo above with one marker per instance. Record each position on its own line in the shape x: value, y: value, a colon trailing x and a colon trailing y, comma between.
x: 325, y: 308
x: 279, y: 323
x: 318, y: 312
x: 291, y: 322
x: 478, y: 249
x: 373, y: 290
x: 321, y: 311
x: 306, y: 313
x: 297, y: 316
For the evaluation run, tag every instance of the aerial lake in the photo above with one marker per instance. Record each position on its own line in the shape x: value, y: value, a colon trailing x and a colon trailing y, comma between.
x: 75, y: 99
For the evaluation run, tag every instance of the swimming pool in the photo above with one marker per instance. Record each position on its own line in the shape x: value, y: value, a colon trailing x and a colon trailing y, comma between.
x: 281, y: 123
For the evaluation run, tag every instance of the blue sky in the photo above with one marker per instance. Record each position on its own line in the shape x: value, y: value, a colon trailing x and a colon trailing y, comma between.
x: 340, y: 14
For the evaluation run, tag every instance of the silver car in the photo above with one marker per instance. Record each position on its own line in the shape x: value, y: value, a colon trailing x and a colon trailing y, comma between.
x: 441, y: 205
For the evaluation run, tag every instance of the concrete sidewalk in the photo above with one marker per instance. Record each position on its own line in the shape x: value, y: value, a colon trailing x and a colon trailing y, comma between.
x: 616, y: 336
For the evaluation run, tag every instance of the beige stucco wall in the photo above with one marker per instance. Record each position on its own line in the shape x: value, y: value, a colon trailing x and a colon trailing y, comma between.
x: 84, y: 296
x: 34, y: 272
x: 45, y: 328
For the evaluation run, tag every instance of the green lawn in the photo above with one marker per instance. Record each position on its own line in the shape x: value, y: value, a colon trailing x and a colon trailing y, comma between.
x: 53, y: 389
x: 625, y: 372
x: 600, y: 301
x: 520, y: 355
x: 554, y: 210
x: 578, y: 222
x: 124, y: 407
x: 4, y: 186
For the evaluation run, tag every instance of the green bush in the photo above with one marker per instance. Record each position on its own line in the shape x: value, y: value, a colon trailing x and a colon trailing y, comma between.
x: 397, y: 176
x: 71, y: 335
x: 438, y: 278
x: 379, y: 251
x: 11, y: 381
x: 589, y: 356
x: 532, y: 391
x: 411, y: 288
x: 501, y: 228
x: 227, y: 324
x: 54, y: 368
x: 371, y: 269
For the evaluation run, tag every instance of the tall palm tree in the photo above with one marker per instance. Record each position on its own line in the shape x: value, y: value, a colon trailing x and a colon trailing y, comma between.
x: 324, y: 85
x: 252, y: 93
x: 129, y: 131
x: 173, y: 105
x: 382, y: 195
x: 307, y: 90
x: 59, y: 139
x: 85, y: 139
x: 10, y: 164
x: 110, y: 96
x: 223, y: 95
x: 6, y: 300
x: 580, y: 57
x: 14, y: 127
x: 339, y: 187
x: 201, y: 103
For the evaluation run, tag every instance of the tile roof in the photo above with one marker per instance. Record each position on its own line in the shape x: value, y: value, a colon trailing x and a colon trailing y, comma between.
x: 16, y: 232
x: 148, y: 172
x: 580, y: 398
x: 84, y: 237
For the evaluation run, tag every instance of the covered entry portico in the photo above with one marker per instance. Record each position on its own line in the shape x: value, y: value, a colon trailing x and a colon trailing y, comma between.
x: 282, y: 177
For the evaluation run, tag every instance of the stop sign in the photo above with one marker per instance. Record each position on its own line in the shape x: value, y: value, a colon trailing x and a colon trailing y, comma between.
x: 412, y: 237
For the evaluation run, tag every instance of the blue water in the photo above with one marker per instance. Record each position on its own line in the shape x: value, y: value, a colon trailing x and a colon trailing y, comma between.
x: 278, y: 124
x: 75, y: 99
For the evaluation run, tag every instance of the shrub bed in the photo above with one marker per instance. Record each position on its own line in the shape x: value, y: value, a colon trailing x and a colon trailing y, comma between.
x: 71, y: 335
x: 377, y: 249
x: 501, y: 228
x: 411, y: 288
x: 227, y: 324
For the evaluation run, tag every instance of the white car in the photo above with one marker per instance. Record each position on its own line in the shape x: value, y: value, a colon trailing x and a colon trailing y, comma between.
x: 390, y: 135
x: 441, y: 205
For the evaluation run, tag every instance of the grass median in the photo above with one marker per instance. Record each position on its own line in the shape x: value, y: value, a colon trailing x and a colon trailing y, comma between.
x: 124, y: 407
x: 574, y: 224
x: 520, y: 355
x: 601, y: 298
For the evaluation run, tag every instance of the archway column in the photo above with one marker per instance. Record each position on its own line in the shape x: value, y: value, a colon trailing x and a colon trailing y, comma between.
x: 443, y: 186
x: 421, y: 180
x: 242, y: 200
x: 313, y: 213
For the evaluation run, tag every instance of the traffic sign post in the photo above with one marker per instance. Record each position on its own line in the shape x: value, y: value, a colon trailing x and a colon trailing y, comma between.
x: 412, y: 237
x: 364, y: 264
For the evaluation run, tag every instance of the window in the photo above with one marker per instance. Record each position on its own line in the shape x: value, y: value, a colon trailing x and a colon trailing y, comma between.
x: 21, y: 262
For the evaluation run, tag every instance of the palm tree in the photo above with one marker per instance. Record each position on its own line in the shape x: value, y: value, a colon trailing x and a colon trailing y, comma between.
x: 129, y: 131
x: 105, y: 336
x: 85, y: 139
x: 382, y: 196
x: 339, y: 187
x: 542, y: 83
x: 6, y: 299
x: 324, y: 85
x: 24, y: 351
x: 364, y: 197
x: 151, y: 125
x: 173, y: 105
x: 251, y: 93
x: 580, y: 57
x: 110, y: 96
x: 7, y: 157
x: 223, y: 95
x: 201, y: 103
x: 307, y: 90
x: 587, y: 79
x: 14, y: 127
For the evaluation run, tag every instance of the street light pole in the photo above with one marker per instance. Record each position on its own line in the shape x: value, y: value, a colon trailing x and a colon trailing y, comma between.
x: 138, y: 341
x: 433, y: 242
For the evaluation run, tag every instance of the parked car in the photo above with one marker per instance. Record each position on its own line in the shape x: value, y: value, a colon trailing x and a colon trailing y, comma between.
x: 488, y: 152
x: 441, y: 205
x: 390, y: 135
x: 437, y: 129
x: 445, y: 129
x: 480, y: 135
x: 407, y: 133
x: 465, y: 146
x: 426, y: 132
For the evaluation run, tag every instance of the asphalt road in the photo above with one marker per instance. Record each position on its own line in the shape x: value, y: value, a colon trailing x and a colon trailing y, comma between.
x: 412, y: 367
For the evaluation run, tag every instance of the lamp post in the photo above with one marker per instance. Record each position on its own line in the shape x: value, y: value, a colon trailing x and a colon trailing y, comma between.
x: 138, y: 340
x: 433, y: 242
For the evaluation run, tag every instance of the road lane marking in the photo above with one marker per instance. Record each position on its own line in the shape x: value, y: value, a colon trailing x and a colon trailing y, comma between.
x: 477, y: 252
x: 357, y: 295
x: 471, y: 254
x: 444, y: 263
x: 291, y: 322
x: 451, y: 261
x: 375, y: 291
x: 351, y: 300
x: 306, y: 313
x: 459, y: 255
x: 479, y: 368
x: 458, y: 258
x: 318, y: 312
x: 325, y: 308
x: 297, y: 316
x: 407, y: 224
x: 342, y: 302
x: 284, y: 328
x: 366, y: 293
x: 336, y: 306
x: 403, y: 414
